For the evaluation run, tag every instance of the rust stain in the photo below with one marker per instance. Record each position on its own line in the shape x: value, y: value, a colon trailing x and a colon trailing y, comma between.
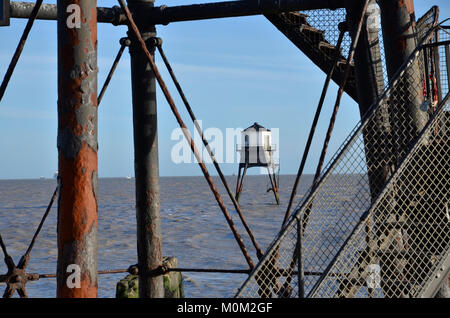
x: 410, y: 6
x: 89, y: 289
x: 78, y: 161
x: 402, y: 43
x: 94, y: 102
x: 78, y: 214
x: 93, y: 27
x: 78, y: 206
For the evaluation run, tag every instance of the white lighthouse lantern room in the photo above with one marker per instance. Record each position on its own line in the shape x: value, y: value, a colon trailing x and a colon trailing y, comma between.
x: 257, y: 150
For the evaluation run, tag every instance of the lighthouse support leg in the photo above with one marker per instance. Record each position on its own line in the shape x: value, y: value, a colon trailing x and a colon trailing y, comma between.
x: 241, y: 184
x: 238, y: 181
x: 273, y: 182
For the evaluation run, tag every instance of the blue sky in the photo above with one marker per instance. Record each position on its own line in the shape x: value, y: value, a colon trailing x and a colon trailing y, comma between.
x: 234, y: 72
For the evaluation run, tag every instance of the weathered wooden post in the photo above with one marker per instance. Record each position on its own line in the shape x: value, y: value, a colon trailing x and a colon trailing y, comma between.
x: 77, y: 148
x: 149, y: 240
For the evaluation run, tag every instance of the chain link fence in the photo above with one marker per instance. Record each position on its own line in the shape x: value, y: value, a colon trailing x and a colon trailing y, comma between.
x: 442, y: 58
x: 328, y: 20
x: 404, y: 238
x: 354, y: 237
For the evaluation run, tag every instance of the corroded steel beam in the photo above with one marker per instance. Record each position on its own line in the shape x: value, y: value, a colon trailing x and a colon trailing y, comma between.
x: 165, y: 14
x: 398, y: 23
x: 134, y: 29
x: 77, y: 150
x: 22, y: 10
x: 146, y: 165
x: 228, y: 9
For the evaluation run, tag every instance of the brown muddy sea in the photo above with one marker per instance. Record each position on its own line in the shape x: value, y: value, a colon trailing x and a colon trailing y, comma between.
x: 194, y: 229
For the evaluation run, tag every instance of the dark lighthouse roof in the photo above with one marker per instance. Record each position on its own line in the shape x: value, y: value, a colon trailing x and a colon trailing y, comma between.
x: 256, y: 127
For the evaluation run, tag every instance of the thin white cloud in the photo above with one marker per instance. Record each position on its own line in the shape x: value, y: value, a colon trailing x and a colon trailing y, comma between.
x: 246, y: 73
x: 23, y: 113
x: 257, y: 61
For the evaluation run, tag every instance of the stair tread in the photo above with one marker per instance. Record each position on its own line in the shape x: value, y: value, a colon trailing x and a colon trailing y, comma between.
x: 307, y: 38
x: 307, y: 27
x: 343, y: 62
x: 299, y: 14
x: 327, y: 45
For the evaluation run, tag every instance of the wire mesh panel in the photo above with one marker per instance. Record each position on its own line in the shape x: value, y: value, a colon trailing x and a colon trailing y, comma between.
x: 443, y: 59
x: 428, y: 21
x: 278, y: 278
x: 312, y: 32
x: 350, y: 184
x: 408, y: 238
x: 328, y: 20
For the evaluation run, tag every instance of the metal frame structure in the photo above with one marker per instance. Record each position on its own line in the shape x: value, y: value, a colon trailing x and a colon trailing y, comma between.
x: 77, y: 126
x: 332, y: 263
x: 4, y: 13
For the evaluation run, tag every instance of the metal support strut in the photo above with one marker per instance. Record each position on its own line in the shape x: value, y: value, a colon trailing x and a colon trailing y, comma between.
x: 19, y: 49
x: 136, y: 32
x: 158, y: 44
x: 146, y: 165
x: 336, y: 106
x: 343, y: 28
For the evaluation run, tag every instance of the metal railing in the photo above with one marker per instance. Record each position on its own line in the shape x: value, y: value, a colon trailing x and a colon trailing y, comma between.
x: 353, y: 236
x: 270, y: 148
x: 408, y: 238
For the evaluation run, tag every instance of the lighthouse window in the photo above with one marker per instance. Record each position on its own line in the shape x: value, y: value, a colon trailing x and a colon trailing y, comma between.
x: 247, y: 142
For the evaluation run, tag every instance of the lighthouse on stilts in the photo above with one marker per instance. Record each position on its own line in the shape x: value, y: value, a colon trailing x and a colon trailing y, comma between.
x: 257, y: 150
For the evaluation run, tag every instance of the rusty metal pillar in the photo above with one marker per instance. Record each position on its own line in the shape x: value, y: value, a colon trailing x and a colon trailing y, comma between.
x: 148, y: 216
x: 77, y: 148
x: 398, y: 23
x: 370, y: 86
x: 398, y: 19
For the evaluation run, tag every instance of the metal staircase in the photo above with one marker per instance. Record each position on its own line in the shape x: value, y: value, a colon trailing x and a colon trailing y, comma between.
x: 353, y: 244
x: 411, y: 228
x: 314, y: 44
x: 315, y: 34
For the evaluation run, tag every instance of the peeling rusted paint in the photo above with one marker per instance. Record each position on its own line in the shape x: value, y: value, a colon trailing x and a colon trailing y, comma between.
x: 398, y: 21
x: 164, y: 14
x: 77, y: 149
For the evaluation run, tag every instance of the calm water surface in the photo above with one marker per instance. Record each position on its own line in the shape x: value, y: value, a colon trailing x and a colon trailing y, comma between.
x: 194, y: 229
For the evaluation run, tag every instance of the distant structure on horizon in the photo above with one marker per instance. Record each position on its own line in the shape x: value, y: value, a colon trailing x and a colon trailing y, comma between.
x: 257, y: 150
